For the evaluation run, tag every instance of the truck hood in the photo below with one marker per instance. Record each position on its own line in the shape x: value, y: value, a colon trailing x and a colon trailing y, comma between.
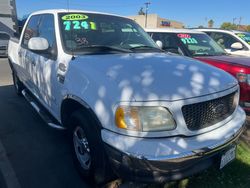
x: 153, y: 76
x: 231, y: 59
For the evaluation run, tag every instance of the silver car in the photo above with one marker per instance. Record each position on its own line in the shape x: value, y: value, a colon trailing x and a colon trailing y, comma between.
x: 4, y: 39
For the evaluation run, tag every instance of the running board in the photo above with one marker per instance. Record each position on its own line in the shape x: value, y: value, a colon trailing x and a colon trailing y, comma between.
x: 44, y: 114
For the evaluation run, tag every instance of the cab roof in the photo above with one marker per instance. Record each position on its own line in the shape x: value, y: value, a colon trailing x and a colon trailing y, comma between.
x: 220, y: 30
x: 173, y: 30
x: 56, y: 11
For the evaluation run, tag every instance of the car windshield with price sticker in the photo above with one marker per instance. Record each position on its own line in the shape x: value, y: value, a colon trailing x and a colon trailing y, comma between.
x: 244, y: 36
x: 90, y: 33
x: 200, y: 44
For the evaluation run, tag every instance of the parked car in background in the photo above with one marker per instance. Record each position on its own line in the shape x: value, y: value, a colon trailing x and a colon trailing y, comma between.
x: 4, y: 39
x: 200, y: 46
x: 149, y: 115
x: 234, y: 42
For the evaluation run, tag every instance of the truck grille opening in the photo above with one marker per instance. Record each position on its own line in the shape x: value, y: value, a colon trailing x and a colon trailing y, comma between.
x: 204, y: 114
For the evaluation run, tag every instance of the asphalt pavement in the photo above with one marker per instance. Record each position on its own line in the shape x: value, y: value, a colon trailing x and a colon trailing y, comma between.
x: 32, y: 155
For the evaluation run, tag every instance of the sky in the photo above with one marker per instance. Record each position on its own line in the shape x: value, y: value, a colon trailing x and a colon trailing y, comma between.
x: 192, y: 13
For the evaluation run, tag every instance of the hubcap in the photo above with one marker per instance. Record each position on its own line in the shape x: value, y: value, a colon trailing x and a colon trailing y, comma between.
x: 81, y: 147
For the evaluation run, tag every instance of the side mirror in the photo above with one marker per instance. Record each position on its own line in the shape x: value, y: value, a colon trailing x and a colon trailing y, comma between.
x: 237, y: 46
x: 159, y: 43
x: 38, y: 44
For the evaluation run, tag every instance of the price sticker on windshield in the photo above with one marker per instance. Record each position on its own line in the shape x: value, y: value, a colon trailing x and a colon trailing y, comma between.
x: 240, y: 35
x: 76, y: 25
x: 71, y: 17
x: 187, y: 39
x: 182, y: 35
x: 77, y: 22
x: 244, y: 37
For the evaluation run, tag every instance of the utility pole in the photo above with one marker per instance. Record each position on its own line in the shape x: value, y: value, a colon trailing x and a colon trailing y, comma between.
x: 240, y: 19
x: 146, y: 15
x: 205, y: 25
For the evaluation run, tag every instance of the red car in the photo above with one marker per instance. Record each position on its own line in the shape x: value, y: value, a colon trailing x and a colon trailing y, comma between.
x: 200, y: 46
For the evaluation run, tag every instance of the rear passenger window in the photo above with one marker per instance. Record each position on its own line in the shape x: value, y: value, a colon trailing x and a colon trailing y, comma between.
x: 169, y: 42
x: 31, y: 30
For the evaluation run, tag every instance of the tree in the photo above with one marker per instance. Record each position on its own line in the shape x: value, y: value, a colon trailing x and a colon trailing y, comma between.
x: 200, y: 26
x: 228, y: 26
x: 210, y: 23
x: 248, y: 28
x: 141, y: 11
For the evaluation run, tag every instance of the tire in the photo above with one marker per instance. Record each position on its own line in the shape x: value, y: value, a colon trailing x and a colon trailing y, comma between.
x: 17, y: 84
x: 88, y: 150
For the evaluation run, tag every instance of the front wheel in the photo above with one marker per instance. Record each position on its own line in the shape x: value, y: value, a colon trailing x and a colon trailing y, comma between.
x: 81, y: 148
x: 88, y: 149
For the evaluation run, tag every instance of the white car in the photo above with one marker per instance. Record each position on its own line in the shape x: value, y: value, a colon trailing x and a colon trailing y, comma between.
x: 234, y: 42
x: 129, y: 108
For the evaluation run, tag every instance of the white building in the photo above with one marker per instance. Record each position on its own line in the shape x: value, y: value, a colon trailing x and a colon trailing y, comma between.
x: 155, y: 21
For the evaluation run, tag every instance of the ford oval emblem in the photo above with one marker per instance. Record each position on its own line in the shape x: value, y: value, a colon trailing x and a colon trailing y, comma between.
x: 218, y: 109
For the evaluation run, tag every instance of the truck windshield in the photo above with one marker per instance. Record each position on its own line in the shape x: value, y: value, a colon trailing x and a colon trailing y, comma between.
x: 200, y: 44
x: 90, y: 33
x: 244, y: 36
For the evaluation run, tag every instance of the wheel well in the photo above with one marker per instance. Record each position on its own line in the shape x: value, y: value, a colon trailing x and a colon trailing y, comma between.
x: 11, y: 66
x: 70, y: 105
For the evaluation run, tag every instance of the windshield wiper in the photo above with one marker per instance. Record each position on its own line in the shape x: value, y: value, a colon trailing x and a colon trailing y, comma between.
x: 202, y: 54
x: 223, y: 53
x: 100, y: 48
x: 207, y: 54
x: 145, y: 47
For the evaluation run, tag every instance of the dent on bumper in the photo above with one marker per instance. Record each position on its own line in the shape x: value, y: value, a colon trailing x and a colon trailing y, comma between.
x: 157, y: 149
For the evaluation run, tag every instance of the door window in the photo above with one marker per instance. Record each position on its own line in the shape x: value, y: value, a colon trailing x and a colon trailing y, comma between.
x: 31, y: 30
x: 47, y: 31
x: 169, y: 42
x: 224, y: 40
x: 42, y: 26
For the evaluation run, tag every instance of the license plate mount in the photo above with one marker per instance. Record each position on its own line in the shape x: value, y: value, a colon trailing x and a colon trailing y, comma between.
x: 228, y: 157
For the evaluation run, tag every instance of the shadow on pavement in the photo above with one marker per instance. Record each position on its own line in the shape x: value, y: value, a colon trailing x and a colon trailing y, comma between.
x: 2, y: 182
x: 39, y: 155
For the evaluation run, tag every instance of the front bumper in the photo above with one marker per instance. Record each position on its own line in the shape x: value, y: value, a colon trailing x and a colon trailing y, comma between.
x: 166, y: 159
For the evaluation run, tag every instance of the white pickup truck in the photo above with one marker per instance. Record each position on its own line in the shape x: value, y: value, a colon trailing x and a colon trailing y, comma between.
x: 147, y: 115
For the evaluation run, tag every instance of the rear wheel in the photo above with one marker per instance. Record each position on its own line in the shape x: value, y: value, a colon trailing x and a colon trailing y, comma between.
x: 88, y: 149
x: 17, y: 84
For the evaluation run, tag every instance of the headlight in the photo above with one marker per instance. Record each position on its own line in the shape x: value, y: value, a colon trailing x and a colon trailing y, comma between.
x: 144, y: 118
x: 243, y: 78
